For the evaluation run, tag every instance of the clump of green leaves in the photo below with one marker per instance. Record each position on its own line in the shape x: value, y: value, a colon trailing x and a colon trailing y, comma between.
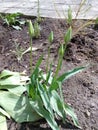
x: 41, y: 99
x: 13, y: 20
x: 44, y: 98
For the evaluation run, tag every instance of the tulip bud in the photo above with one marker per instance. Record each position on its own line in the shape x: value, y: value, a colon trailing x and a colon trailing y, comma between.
x: 51, y: 37
x: 68, y: 35
x: 31, y: 29
x: 61, y: 50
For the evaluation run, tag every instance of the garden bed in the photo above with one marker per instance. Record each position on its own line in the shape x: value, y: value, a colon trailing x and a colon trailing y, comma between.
x: 80, y: 91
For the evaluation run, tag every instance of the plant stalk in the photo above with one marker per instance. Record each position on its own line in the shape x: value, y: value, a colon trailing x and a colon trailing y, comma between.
x: 31, y: 59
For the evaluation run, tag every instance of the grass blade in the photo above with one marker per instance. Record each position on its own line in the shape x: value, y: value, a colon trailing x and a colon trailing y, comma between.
x: 69, y: 111
x: 38, y: 64
x: 56, y: 104
x: 44, y: 96
x: 67, y: 75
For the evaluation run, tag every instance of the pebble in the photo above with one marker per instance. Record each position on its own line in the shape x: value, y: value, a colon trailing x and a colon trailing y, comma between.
x: 93, y: 105
x: 87, y: 113
x: 93, y: 121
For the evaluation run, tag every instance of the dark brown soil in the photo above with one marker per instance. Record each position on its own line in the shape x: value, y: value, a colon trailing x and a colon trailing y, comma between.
x: 80, y: 91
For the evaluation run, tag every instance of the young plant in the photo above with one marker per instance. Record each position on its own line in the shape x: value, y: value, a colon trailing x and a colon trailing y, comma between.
x: 13, y: 20
x: 42, y: 90
x: 44, y: 97
x: 31, y: 98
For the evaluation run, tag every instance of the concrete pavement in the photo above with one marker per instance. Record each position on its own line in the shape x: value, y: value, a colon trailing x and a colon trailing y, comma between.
x: 51, y: 8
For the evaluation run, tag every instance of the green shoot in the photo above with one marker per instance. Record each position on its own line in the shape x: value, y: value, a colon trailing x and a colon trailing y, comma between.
x: 50, y: 39
x: 60, y: 59
x: 68, y: 36
x: 62, y: 49
x: 31, y: 33
x: 36, y: 30
x: 69, y: 19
